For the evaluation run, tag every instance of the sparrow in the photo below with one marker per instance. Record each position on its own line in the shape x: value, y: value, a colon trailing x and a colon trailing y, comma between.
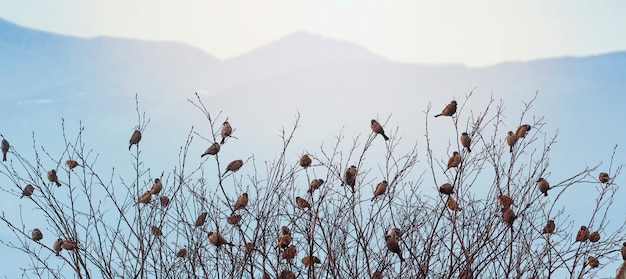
x: 454, y: 160
x: 395, y: 233
x: 511, y: 139
x: 181, y: 253
x: 71, y: 164
x: 284, y: 241
x: 378, y: 129
x: 36, y: 235
x: 508, y: 216
x: 289, y: 253
x: 393, y: 246
x: 603, y: 177
x: 164, y: 201
x: 522, y: 131
x: 549, y: 228
x: 315, y: 184
x: 310, y: 260
x: 226, y: 131
x: 248, y: 248
x: 623, y: 250
x: 302, y: 203
x: 156, y: 231
x: 594, y: 237
x: 156, y: 187
x: 234, y: 166
x: 5, y: 149
x: 505, y: 200
x: 465, y: 141
x: 305, y: 161
x: 582, y: 235
x: 466, y: 274
x: 452, y: 204
x: 218, y: 240
x: 52, y: 176
x: 377, y: 274
x: 446, y: 189
x: 233, y: 219
x: 56, y: 246
x: 145, y: 198
x: 285, y: 230
x: 449, y: 110
x: 349, y: 177
x: 593, y: 262
x: 28, y: 190
x: 287, y: 274
x: 68, y: 244
x: 242, y: 201
x: 380, y: 189
x: 134, y: 139
x: 212, y: 150
x: 543, y: 186
x: 201, y: 218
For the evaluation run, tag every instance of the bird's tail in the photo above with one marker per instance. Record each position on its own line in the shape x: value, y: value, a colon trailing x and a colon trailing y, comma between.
x: 129, y: 146
x: 621, y: 274
x: 4, y: 157
x: 545, y: 194
x: 223, y: 139
x: 58, y: 183
x: 385, y: 137
x: 469, y: 149
x: 438, y: 115
x: 511, y: 149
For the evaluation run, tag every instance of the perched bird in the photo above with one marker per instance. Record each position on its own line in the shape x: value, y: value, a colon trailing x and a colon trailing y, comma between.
x: 623, y: 250
x: 380, y: 189
x: 594, y: 237
x: 287, y: 274
x: 378, y: 129
x: 71, y: 164
x: 156, y: 231
x: 511, y: 139
x: 449, y: 110
x: 27, y: 191
x: 242, y: 201
x: 582, y: 235
x: 218, y: 240
x: 164, y: 201
x: 310, y: 260
x: 452, y: 204
x: 603, y: 177
x: 522, y: 131
x: 284, y: 241
x: 305, y: 161
x: 226, y: 131
x: 36, y: 235
x: 508, y: 216
x: 201, y: 218
x: 543, y: 186
x: 69, y: 244
x: 593, y: 262
x: 267, y: 276
x: 302, y: 203
x: 465, y: 141
x: 454, y: 160
x: 549, y: 228
x: 181, y: 253
x: 134, y: 139
x: 233, y: 219
x: 505, y: 200
x: 156, y: 187
x: 248, y: 248
x: 349, y: 177
x: 285, y: 230
x: 289, y: 253
x: 315, y: 184
x: 56, y: 246
x: 52, y: 176
x: 145, y: 198
x: 393, y: 246
x: 234, y: 166
x: 5, y: 148
x: 212, y: 150
x: 466, y: 274
x: 446, y: 189
x: 377, y: 274
x: 395, y: 233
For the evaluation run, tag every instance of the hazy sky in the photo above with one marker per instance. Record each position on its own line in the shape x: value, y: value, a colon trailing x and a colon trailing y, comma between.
x: 479, y: 32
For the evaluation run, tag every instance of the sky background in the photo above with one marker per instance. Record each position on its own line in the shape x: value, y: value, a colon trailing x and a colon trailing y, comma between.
x: 475, y: 33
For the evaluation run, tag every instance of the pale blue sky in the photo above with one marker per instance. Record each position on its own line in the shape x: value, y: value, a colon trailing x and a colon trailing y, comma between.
x: 474, y: 33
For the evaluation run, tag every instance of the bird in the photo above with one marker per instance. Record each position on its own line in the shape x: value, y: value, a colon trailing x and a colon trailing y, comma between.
x: 349, y: 177
x: 594, y: 237
x: 452, y: 204
x: 182, y: 252
x: 522, y: 131
x: 289, y: 253
x: 302, y: 203
x: 52, y: 176
x: 446, y: 189
x: 242, y: 202
x: 505, y: 200
x: 465, y: 141
x: 549, y: 228
x: 156, y: 187
x: 248, y: 248
x: 310, y: 260
x: 593, y: 262
x: 393, y: 246
x: 603, y: 177
x: 201, y: 218
x: 582, y: 235
x: 543, y: 186
x: 511, y: 139
x: 134, y: 139
x: 212, y: 150
x: 287, y: 274
x: 454, y: 160
x: 71, y: 164
x: 305, y: 161
x: 508, y: 216
x: 234, y: 166
x: 623, y: 250
x: 449, y: 110
x: 27, y: 191
x: 380, y: 189
x: 56, y: 246
x: 5, y: 148
x: 164, y: 201
x: 217, y: 240
x: 284, y: 241
x: 378, y: 129
x: 69, y: 244
x: 267, y: 276
x: 315, y: 184
x: 156, y: 231
x: 145, y: 198
x: 395, y: 233
x: 233, y: 219
x: 377, y: 274
x: 226, y: 131
x: 36, y: 235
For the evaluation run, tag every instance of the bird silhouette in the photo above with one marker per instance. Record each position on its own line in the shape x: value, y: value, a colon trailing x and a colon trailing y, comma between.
x: 594, y: 237
x: 549, y: 227
x: 302, y: 203
x: 454, y: 160
x: 393, y: 246
x: 234, y: 166
x: 310, y: 260
x: 449, y: 110
x: 145, y: 198
x: 27, y: 191
x: 582, y: 235
x: 242, y: 202
x: 217, y: 240
x: 36, y: 235
x: 446, y: 189
x: 315, y: 184
x: 466, y: 141
x: 378, y: 129
x: 349, y: 177
x: 380, y: 189
x: 5, y: 148
x: 212, y: 150
x: 603, y: 177
x: 511, y: 139
x: 134, y: 139
x: 233, y: 219
x: 156, y: 187
x: 522, y: 131
x: 593, y: 262
x: 52, y: 177
x: 226, y: 131
x: 71, y: 164
x: 543, y: 186
x: 201, y: 218
x: 289, y: 253
x: 305, y: 161
x: 164, y: 201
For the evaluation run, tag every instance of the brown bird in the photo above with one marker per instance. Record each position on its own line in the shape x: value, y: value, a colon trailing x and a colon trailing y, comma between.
x: 543, y: 186
x: 234, y: 166
x: 242, y: 202
x: 287, y: 274
x: 267, y: 276
x: 582, y: 235
x: 5, y: 149
x: 156, y: 231
x: 218, y: 240
x: 315, y: 184
x: 522, y: 131
x: 181, y: 253
x: 52, y: 176
x: 305, y: 161
x: 395, y: 233
x: 134, y: 139
x: 164, y: 201
x: 380, y: 189
x: 36, y: 235
x: 57, y: 246
x: 233, y: 219
x: 310, y: 260
x: 289, y: 253
x: 623, y: 250
x: 248, y: 248
x: 449, y: 110
x: 285, y: 230
x: 466, y: 274
x: 594, y: 237
x: 284, y: 241
x: 201, y: 218
x: 378, y: 129
x: 349, y: 177
x: 226, y: 131
x: 593, y: 262
x: 446, y: 189
x: 69, y: 244
x: 452, y: 204
x: 145, y: 198
x: 377, y: 275
x: 212, y: 150
x: 71, y: 164
x: 454, y: 160
x: 511, y: 139
x: 302, y: 203
x: 603, y: 177
x: 465, y: 141
x: 393, y: 246
x: 505, y: 200
x: 549, y: 228
x: 156, y: 187
x: 508, y: 216
x: 27, y: 191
